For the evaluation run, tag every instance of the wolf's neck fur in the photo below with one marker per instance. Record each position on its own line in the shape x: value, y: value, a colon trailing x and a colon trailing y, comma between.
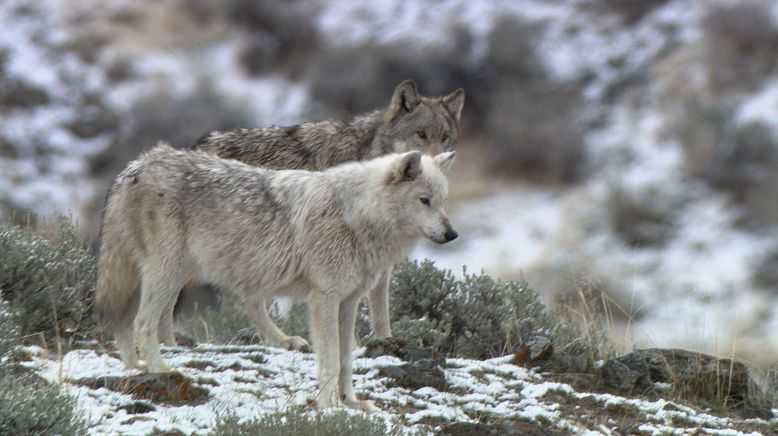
x: 373, y: 224
x: 370, y: 130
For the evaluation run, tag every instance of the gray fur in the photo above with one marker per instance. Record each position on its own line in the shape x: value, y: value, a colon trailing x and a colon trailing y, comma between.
x: 409, y: 122
x: 326, y: 236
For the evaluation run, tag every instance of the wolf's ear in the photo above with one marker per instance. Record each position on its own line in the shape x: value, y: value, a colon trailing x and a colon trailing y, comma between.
x: 406, y: 168
x: 444, y: 160
x: 405, y: 98
x: 454, y: 102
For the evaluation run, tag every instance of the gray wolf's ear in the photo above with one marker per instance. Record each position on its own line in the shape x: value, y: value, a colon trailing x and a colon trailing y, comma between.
x: 406, y: 168
x: 454, y: 102
x: 445, y: 160
x: 405, y: 98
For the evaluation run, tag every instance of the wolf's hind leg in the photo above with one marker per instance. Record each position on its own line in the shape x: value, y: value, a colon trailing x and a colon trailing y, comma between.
x: 272, y: 335
x: 161, y: 284
x: 166, y: 330
x: 126, y: 344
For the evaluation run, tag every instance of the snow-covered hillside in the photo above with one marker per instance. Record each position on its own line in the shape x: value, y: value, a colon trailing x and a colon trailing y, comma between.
x: 250, y: 381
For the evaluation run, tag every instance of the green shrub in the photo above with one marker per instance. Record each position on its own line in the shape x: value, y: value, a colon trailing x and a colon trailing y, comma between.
x: 29, y: 410
x: 738, y: 159
x: 476, y: 316
x: 531, y: 121
x: 295, y: 422
x: 740, y: 39
x: 49, y: 283
x: 641, y: 218
x: 9, y: 331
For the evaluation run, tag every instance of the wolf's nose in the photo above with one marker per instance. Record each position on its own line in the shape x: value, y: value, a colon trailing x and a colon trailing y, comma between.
x: 450, y: 235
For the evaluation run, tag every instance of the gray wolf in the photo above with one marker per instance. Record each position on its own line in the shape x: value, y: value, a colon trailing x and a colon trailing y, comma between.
x: 409, y: 122
x: 327, y: 236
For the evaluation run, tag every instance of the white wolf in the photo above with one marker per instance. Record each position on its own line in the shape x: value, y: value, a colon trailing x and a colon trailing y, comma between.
x: 173, y: 215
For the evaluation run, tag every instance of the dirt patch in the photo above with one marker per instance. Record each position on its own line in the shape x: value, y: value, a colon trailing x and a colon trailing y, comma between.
x: 168, y: 388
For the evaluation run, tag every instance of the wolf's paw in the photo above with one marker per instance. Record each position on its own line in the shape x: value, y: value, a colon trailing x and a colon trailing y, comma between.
x: 157, y: 367
x: 325, y: 403
x: 365, y: 406
x: 295, y: 343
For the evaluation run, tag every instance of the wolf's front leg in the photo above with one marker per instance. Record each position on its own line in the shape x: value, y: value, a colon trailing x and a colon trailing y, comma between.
x: 268, y: 330
x: 346, y: 322
x: 378, y: 303
x: 324, y: 333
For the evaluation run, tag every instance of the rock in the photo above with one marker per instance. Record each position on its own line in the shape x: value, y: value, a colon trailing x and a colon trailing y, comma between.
x: 398, y: 347
x: 417, y: 374
x: 626, y: 372
x: 536, y: 349
x: 618, y: 375
x: 701, y: 375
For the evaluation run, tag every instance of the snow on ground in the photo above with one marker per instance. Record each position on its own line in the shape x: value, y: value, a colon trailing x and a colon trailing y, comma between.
x: 250, y: 381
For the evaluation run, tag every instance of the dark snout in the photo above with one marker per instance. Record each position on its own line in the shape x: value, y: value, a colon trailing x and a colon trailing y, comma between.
x: 450, y: 235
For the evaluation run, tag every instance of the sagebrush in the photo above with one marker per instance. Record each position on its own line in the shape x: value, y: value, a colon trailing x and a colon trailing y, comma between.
x: 27, y: 409
x: 476, y: 315
x: 296, y: 422
x: 48, y: 282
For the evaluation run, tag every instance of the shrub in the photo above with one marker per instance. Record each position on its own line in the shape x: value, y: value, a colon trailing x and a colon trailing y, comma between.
x: 530, y: 120
x: 630, y: 10
x: 296, y: 422
x: 640, y: 218
x: 9, y: 331
x: 179, y: 120
x: 476, y: 316
x: 29, y: 410
x: 48, y: 283
x: 740, y: 42
x: 740, y: 160
x: 533, y: 134
x: 280, y: 34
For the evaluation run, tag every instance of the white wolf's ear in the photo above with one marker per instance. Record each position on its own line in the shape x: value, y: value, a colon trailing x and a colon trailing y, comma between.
x: 444, y: 160
x: 405, y: 98
x: 405, y: 168
x: 454, y: 102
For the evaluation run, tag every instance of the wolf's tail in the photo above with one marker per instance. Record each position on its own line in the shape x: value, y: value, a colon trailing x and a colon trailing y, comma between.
x: 118, y: 290
x: 118, y: 278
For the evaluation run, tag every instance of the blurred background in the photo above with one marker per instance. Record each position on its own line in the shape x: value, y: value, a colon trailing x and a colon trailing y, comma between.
x: 620, y: 151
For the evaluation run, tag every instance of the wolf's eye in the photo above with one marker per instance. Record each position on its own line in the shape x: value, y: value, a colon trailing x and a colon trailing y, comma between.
x: 425, y: 201
x: 445, y: 137
x: 421, y: 134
